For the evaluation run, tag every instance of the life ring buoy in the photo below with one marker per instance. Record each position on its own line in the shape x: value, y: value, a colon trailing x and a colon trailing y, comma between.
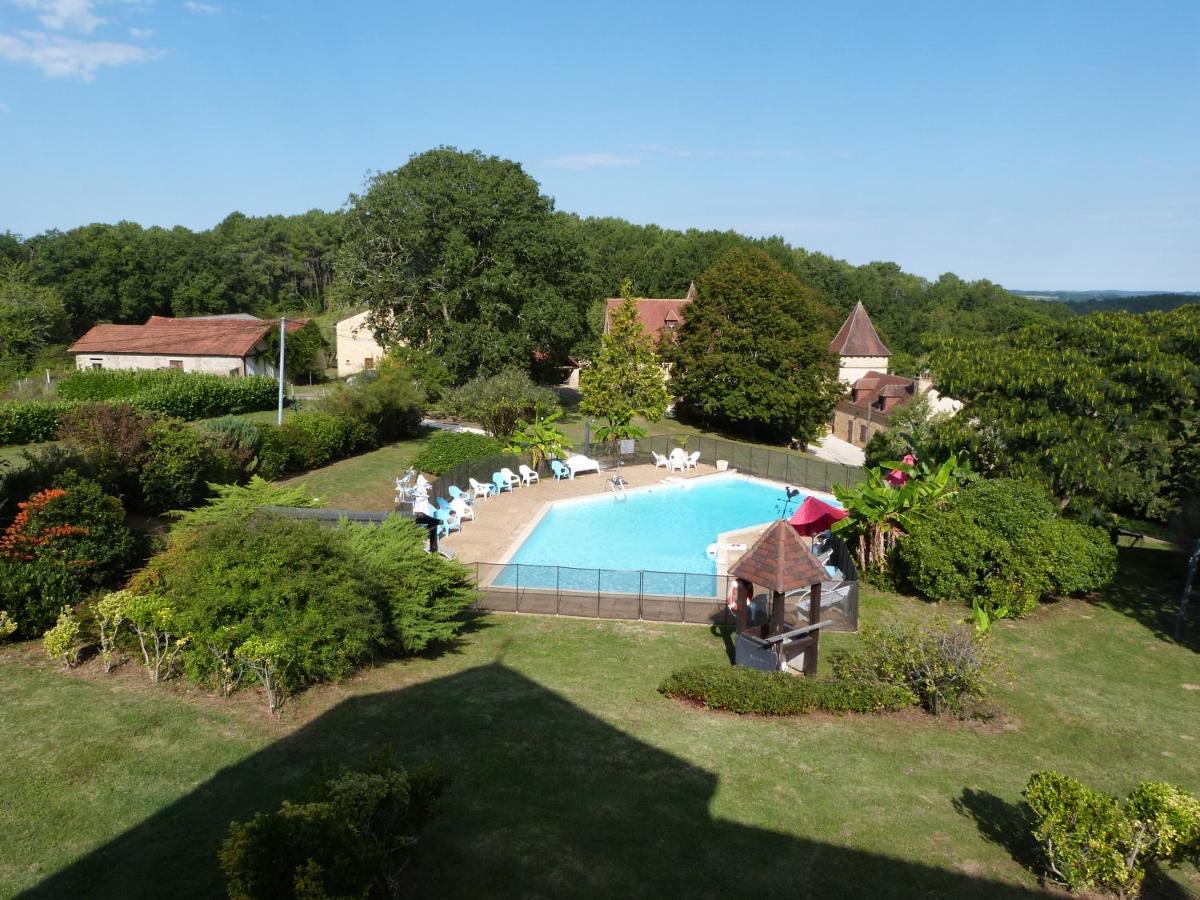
x: 731, y: 597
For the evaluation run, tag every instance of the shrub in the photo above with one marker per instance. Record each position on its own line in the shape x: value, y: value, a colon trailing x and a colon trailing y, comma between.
x: 944, y: 665
x: 175, y: 468
x: 387, y: 401
x: 241, y: 441
x: 112, y: 437
x: 446, y: 449
x: 354, y: 839
x: 109, y: 613
x: 63, y: 542
x: 231, y: 578
x: 743, y: 690
x: 159, y: 633
x: 7, y: 625
x: 314, y: 439
x: 1001, y: 547
x: 31, y: 423
x: 62, y: 641
x: 41, y: 468
x: 500, y: 401
x: 1090, y: 842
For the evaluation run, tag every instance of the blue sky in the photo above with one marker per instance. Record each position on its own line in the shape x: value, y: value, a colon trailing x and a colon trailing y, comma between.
x: 1044, y: 145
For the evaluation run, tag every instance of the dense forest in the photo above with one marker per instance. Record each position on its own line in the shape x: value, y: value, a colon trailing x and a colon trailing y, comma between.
x: 266, y: 265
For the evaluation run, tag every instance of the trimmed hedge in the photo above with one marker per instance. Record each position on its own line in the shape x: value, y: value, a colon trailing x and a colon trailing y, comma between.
x: 185, y: 395
x: 742, y: 690
x: 447, y: 449
x: 31, y: 423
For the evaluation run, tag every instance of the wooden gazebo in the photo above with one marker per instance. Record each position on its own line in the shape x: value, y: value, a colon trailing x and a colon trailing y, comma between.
x: 781, y: 564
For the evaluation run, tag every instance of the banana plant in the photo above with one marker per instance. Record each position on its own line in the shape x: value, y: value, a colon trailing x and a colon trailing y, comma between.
x: 878, y: 512
x: 541, y: 439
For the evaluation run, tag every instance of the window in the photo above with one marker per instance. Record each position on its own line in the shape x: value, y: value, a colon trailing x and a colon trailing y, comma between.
x: 862, y: 434
x: 175, y: 363
x: 234, y: 373
x: 97, y: 364
x: 850, y: 431
x: 369, y: 363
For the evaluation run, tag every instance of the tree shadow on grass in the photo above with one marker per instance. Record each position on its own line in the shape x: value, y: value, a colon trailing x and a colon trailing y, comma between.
x: 1147, y: 588
x: 1010, y: 825
x: 544, y: 800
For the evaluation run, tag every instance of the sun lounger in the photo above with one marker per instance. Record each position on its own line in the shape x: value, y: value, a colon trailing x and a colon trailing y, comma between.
x: 580, y: 463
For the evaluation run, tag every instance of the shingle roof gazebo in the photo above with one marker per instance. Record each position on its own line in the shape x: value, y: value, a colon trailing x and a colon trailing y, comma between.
x: 780, y: 563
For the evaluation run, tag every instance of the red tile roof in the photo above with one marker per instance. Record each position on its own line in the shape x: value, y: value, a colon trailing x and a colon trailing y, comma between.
x: 867, y: 391
x: 181, y: 337
x: 857, y: 336
x: 654, y: 314
x: 779, y: 561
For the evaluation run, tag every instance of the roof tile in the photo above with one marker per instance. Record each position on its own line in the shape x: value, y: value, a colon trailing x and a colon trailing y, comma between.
x: 779, y: 561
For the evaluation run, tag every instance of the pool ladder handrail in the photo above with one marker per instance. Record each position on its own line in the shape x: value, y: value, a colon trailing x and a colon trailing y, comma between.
x: 616, y: 484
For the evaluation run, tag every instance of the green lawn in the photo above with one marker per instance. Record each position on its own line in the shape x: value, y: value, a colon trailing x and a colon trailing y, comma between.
x: 367, y: 481
x: 570, y: 776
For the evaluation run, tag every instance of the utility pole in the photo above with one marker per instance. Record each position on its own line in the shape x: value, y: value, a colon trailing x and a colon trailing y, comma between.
x: 282, y: 347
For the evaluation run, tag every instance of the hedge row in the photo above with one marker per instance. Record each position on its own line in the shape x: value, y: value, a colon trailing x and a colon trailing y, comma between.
x: 447, y: 449
x: 182, y: 395
x: 32, y: 423
x: 743, y: 690
x: 186, y: 395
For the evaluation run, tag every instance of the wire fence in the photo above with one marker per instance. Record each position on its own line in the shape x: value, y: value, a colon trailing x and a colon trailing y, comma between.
x: 643, y: 595
x: 764, y: 462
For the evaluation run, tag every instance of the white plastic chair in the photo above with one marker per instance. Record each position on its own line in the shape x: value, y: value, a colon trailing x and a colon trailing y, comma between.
x: 462, y: 509
x: 512, y: 478
x: 693, y: 459
x: 677, y: 461
x: 660, y: 461
x: 480, y: 490
x: 527, y: 474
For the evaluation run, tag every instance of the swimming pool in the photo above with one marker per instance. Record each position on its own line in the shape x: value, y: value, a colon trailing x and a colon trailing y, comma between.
x: 653, y: 541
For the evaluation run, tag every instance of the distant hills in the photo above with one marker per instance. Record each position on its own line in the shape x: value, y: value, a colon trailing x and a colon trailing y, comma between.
x: 1112, y: 301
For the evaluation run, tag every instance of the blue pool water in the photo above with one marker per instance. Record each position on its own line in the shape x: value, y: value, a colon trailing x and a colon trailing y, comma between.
x: 653, y: 541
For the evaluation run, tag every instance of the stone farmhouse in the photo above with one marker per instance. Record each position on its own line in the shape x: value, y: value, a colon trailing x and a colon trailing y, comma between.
x: 233, y: 345
x: 873, y: 393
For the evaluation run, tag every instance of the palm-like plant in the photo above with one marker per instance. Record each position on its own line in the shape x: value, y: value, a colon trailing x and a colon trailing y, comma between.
x: 877, y: 512
x: 619, y: 429
x: 541, y: 439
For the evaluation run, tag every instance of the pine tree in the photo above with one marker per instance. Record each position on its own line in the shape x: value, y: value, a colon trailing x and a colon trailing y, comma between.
x: 626, y: 377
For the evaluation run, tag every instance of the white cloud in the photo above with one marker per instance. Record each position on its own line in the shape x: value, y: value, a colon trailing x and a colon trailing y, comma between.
x: 204, y: 9
x: 688, y: 152
x: 61, y: 57
x: 57, y: 15
x: 141, y: 34
x: 591, y: 161
x: 3, y: 107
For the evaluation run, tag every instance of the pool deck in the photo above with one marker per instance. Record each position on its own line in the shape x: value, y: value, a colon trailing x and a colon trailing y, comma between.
x: 503, y: 522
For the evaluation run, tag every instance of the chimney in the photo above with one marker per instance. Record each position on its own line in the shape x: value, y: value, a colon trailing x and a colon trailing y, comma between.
x: 924, y: 383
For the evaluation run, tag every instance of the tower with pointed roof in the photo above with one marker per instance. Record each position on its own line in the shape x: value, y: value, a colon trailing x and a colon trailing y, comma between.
x: 859, y: 348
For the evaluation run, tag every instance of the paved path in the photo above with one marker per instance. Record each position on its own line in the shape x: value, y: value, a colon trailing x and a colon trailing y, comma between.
x: 834, y: 449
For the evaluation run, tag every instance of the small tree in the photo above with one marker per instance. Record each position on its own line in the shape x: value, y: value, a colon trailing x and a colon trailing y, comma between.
x: 110, y: 612
x: 500, y: 402
x: 626, y: 377
x: 62, y: 641
x: 154, y: 621
x: 267, y: 659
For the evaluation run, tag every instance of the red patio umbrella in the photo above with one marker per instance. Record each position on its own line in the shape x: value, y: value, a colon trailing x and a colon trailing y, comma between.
x: 815, y: 516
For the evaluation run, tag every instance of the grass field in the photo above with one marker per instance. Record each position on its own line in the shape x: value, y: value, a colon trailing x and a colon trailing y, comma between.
x: 367, y: 481
x: 570, y: 776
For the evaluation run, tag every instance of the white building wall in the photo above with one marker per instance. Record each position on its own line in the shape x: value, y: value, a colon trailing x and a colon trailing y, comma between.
x: 356, y: 345
x: 852, y: 368
x: 211, y: 365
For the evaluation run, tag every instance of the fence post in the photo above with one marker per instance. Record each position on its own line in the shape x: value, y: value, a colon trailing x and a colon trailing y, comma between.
x: 641, y: 590
x: 557, y: 590
x: 518, y: 603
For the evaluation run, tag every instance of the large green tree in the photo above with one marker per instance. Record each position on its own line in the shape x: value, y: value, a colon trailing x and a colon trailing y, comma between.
x: 625, y: 379
x: 32, y: 317
x: 1100, y: 408
x: 752, y: 356
x: 461, y: 255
